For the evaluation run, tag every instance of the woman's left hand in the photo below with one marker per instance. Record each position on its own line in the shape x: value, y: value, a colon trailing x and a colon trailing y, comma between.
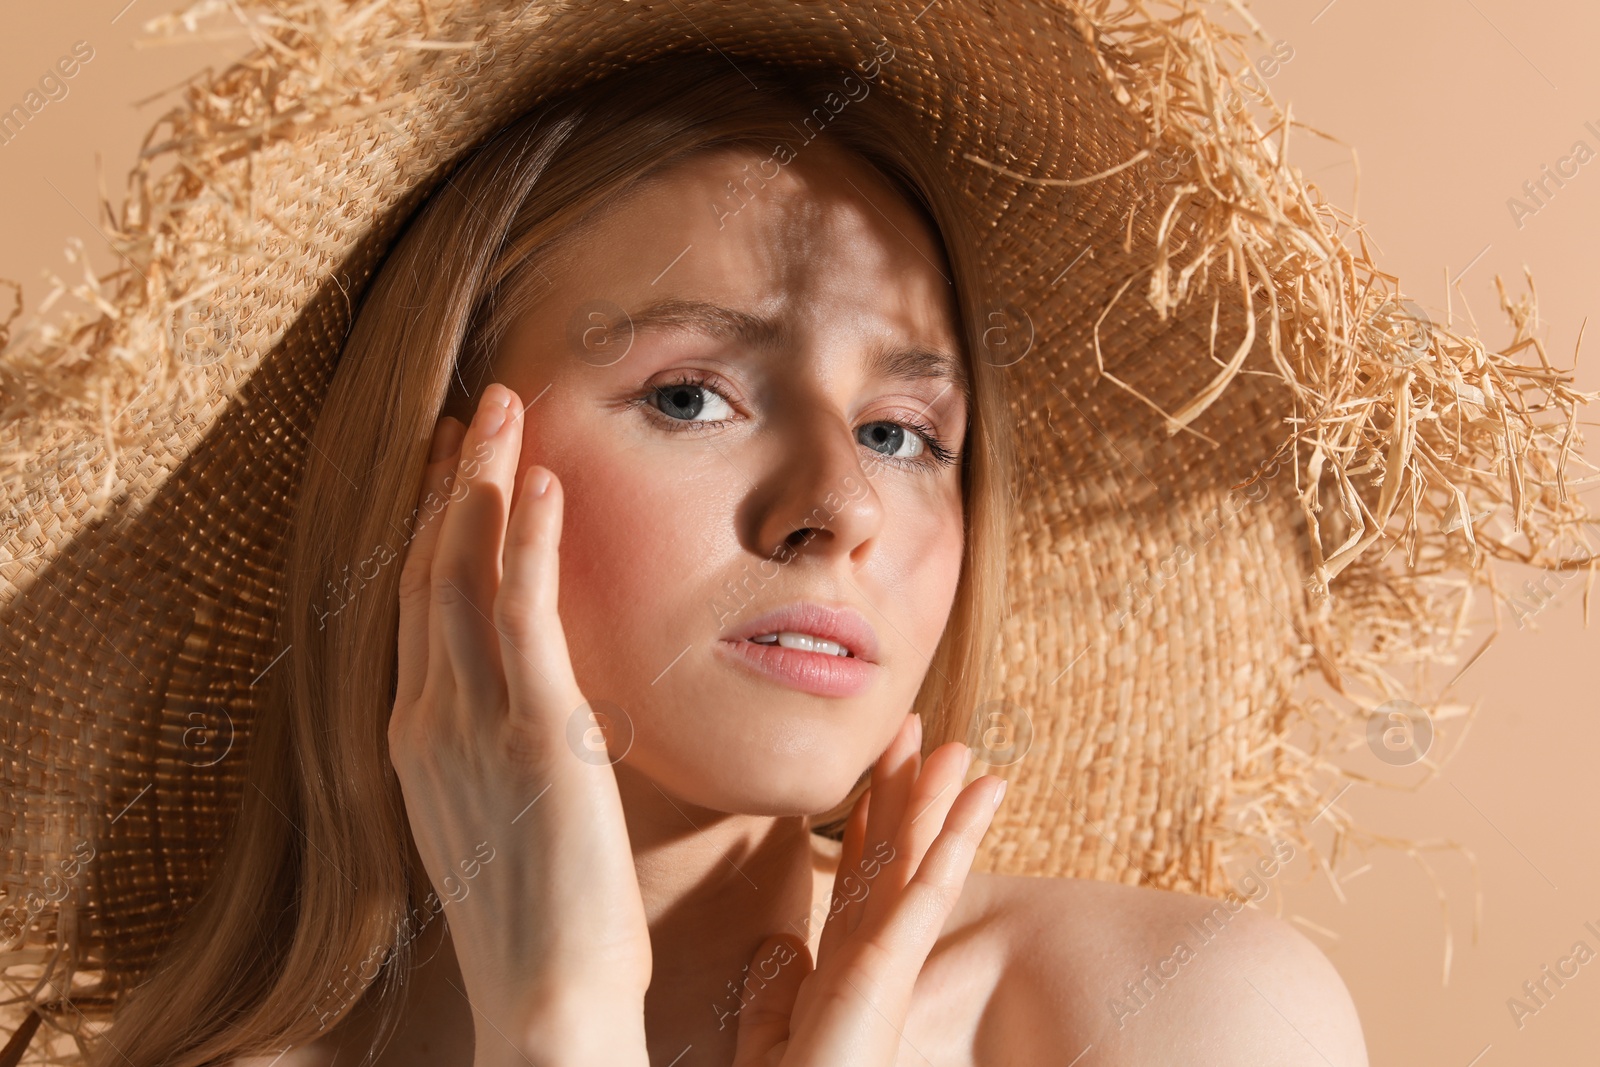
x: 919, y: 831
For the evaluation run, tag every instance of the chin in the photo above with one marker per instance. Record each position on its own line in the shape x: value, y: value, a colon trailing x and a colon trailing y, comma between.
x: 714, y: 790
x: 785, y: 766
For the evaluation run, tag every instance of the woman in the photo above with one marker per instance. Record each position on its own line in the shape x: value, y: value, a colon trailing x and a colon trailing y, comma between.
x: 720, y: 375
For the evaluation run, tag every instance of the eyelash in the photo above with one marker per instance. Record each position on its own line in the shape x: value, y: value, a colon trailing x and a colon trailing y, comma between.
x: 938, y: 454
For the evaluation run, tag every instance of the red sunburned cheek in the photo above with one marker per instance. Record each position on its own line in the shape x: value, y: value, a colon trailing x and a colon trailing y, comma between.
x: 636, y: 551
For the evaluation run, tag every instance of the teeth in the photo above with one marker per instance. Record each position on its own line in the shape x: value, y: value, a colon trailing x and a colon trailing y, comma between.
x: 804, y: 642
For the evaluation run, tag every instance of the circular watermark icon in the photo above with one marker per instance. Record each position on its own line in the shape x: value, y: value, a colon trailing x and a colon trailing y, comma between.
x: 204, y: 743
x: 1399, y: 732
x: 1171, y: 160
x: 599, y: 732
x: 1002, y: 733
x: 202, y: 333
x: 599, y: 332
x: 1008, y: 337
x: 1167, y: 163
x: 468, y: 65
x: 1400, y: 331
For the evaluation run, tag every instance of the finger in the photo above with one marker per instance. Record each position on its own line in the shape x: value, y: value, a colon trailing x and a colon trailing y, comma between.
x: 418, y: 559
x: 533, y: 646
x: 776, y: 970
x: 909, y: 930
x: 837, y: 923
x: 466, y: 565
x: 892, y: 778
x: 932, y: 796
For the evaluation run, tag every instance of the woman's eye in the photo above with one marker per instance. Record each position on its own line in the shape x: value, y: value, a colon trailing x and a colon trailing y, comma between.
x: 888, y: 438
x: 694, y: 402
x: 687, y: 401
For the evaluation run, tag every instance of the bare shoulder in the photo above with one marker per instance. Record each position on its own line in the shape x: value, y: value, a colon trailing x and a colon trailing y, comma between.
x: 1136, y: 975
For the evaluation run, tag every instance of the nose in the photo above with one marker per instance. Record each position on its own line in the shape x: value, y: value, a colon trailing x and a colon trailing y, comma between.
x: 816, y: 498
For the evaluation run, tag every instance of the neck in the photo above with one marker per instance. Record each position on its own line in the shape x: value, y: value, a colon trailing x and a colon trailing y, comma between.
x: 714, y: 886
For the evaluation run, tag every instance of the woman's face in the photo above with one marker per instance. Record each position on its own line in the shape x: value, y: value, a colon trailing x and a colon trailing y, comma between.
x: 787, y: 471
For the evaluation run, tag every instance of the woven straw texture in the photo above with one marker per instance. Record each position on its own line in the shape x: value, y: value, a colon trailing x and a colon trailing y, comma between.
x: 1244, y: 470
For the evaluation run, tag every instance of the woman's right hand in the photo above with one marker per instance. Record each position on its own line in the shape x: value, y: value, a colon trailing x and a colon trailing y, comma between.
x: 550, y: 936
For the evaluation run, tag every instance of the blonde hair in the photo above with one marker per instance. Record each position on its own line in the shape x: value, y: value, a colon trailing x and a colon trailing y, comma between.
x: 319, y: 894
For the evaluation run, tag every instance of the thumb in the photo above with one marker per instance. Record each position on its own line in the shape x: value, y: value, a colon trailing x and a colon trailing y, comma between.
x: 774, y: 976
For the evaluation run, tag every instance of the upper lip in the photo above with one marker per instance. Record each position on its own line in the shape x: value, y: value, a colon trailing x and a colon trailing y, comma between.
x: 841, y: 625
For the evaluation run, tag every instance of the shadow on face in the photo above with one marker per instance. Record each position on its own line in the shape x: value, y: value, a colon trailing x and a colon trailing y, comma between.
x: 748, y: 376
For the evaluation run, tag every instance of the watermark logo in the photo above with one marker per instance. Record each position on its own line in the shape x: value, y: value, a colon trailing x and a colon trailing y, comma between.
x: 14, y: 919
x: 1543, y: 189
x: 849, y: 890
x: 1264, y: 67
x: 202, y: 333
x: 599, y: 332
x: 852, y: 89
x: 1009, y: 336
x: 1251, y: 888
x: 466, y: 66
x: 1540, y: 990
x: 1399, y: 732
x: 367, y: 570
x: 1002, y: 733
x: 599, y: 732
x: 1169, y: 162
x: 1541, y: 594
x: 202, y: 744
x: 1400, y: 331
x: 53, y: 87
x: 352, y: 983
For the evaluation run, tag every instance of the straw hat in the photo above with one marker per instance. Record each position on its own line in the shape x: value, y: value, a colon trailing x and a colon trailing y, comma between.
x: 1228, y: 421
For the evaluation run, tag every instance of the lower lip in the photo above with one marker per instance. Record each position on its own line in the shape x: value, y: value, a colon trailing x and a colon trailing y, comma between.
x: 812, y: 672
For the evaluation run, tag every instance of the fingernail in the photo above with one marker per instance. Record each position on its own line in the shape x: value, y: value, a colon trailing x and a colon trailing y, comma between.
x: 966, y: 759
x: 538, y: 481
x: 1001, y: 792
x: 444, y: 439
x: 916, y: 730
x: 492, y: 409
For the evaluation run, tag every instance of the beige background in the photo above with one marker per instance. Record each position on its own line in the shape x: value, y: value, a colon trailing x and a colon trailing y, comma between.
x: 1452, y: 105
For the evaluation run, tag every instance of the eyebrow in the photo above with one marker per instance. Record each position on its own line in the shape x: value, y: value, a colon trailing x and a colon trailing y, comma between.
x: 885, y: 359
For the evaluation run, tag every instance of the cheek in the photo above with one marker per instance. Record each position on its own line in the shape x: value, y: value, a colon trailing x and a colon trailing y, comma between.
x: 619, y: 546
x: 636, y: 545
x: 920, y: 566
x: 939, y: 574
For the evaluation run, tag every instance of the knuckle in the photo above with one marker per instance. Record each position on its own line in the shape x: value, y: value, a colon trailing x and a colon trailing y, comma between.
x: 449, y: 584
x: 936, y: 896
x: 943, y: 897
x: 514, y: 613
x: 400, y: 738
x: 414, y: 578
x: 526, y: 751
x: 878, y: 961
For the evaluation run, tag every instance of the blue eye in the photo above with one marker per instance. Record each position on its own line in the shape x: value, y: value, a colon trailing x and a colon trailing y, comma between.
x: 875, y: 435
x: 679, y: 405
x: 686, y: 400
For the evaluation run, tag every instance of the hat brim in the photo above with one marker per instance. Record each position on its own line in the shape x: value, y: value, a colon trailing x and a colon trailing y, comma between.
x: 1182, y: 335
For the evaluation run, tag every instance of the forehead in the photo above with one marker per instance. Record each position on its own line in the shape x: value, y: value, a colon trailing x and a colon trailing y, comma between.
x: 815, y: 237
